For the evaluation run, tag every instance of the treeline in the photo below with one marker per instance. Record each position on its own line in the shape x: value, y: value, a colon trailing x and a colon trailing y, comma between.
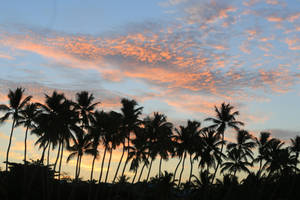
x: 79, y: 129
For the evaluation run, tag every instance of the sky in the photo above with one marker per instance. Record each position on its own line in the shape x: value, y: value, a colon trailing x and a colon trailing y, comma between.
x: 178, y: 57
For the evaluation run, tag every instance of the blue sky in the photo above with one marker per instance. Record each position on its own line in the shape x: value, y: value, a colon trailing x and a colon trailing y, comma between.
x: 180, y: 57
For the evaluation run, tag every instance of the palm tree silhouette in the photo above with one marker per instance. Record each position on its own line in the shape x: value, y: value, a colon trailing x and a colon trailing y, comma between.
x: 245, y: 144
x: 111, y: 135
x: 236, y: 161
x: 187, y: 139
x: 225, y: 117
x: 16, y: 104
x: 96, y: 133
x: 239, y: 153
x: 27, y: 118
x: 138, y: 152
x: 279, y: 160
x: 295, y: 148
x: 262, y: 142
x: 81, y: 142
x: 209, y: 150
x: 130, y: 123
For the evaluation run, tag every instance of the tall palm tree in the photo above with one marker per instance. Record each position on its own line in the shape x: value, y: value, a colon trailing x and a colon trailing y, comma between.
x: 225, y: 117
x: 16, y: 104
x: 48, y: 129
x: 131, y: 113
x: 111, y: 135
x: 63, y: 115
x: 27, y: 118
x: 96, y: 133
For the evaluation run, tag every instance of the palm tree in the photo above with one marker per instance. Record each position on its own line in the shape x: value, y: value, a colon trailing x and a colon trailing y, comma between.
x: 85, y: 106
x: 225, y: 117
x: 209, y: 151
x: 27, y: 119
x: 63, y: 115
x: 16, y: 104
x: 111, y: 135
x: 187, y: 139
x: 130, y: 123
x: 81, y: 143
x: 279, y: 160
x: 95, y: 132
x: 236, y: 161
x: 295, y: 148
x: 244, y: 144
x: 262, y: 142
x: 138, y: 153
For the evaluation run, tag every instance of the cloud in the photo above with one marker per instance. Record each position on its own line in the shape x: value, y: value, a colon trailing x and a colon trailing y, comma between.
x: 285, y: 135
x: 293, y: 43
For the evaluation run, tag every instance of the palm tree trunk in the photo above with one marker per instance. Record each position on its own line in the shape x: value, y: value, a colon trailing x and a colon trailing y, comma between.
x: 149, y: 170
x: 116, y: 174
x: 48, y: 153
x: 100, y: 176
x: 126, y: 162
x: 177, y: 167
x: 179, y: 180
x: 57, y: 157
x: 76, y: 168
x: 79, y: 166
x: 9, y: 144
x: 160, y: 161
x: 213, y: 178
x: 43, y: 153
x: 135, y: 173
x: 109, y: 161
x: 141, y: 172
x: 92, y: 171
x: 25, y: 145
x: 61, y: 157
x: 191, y: 170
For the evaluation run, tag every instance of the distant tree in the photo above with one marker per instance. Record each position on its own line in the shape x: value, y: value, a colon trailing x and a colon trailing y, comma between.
x: 16, y: 104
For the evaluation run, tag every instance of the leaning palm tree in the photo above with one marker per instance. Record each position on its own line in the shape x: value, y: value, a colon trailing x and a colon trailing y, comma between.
x: 16, y: 104
x: 225, y: 117
x: 27, y: 118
